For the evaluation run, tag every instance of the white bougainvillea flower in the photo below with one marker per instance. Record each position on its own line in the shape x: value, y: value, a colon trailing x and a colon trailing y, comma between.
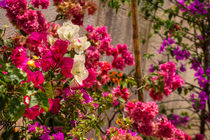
x: 80, y: 44
x: 68, y: 31
x: 79, y: 70
x: 51, y: 40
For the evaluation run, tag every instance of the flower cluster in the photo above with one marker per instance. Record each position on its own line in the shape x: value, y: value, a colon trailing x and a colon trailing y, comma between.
x: 200, y: 102
x: 202, y: 77
x: 177, y: 120
x: 121, y: 92
x: 143, y: 115
x: 181, y: 54
x: 102, y: 39
x: 167, y: 77
x: 147, y: 122
x: 114, y: 133
x: 45, y: 133
x: 43, y: 3
x: 166, y: 41
x: 116, y: 77
x: 27, y: 19
x: 75, y: 10
x: 197, y: 6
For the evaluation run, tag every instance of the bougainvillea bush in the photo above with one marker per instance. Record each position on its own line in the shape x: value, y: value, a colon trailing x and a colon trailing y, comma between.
x: 55, y: 85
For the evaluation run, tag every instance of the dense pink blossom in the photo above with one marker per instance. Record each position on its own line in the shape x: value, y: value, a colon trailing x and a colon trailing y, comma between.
x: 156, y: 96
x: 19, y: 57
x: 90, y: 28
x: 54, y: 105
x: 91, y: 79
x: 146, y: 129
x: 170, y: 81
x: 122, y: 48
x: 118, y: 63
x: 66, y: 66
x: 129, y: 106
x: 129, y: 59
x: 123, y: 93
x: 32, y: 21
x: 37, y: 78
x: 47, y: 61
x: 92, y: 57
x: 99, y: 33
x: 165, y: 128
x: 179, y: 134
x: 43, y: 3
x: 15, y: 8
x: 35, y: 42
x: 144, y: 112
x: 105, y: 45
x: 59, y: 47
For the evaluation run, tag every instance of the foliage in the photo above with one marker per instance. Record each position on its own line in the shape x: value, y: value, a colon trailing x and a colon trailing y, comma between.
x: 55, y: 80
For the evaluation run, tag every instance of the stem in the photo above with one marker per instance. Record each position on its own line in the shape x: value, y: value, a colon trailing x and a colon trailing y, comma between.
x: 136, y: 45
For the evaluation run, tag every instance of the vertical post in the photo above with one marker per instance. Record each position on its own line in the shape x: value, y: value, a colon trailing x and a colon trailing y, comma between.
x: 136, y: 45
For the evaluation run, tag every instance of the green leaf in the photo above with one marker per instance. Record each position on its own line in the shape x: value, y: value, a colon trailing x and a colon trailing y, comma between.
x: 139, y: 2
x: 43, y: 100
x: 48, y: 89
x: 15, y: 109
x: 2, y: 103
x: 121, y: 100
x: 147, y: 56
x: 33, y: 101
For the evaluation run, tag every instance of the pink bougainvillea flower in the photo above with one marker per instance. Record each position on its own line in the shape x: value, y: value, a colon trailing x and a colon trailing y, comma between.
x: 91, y: 79
x: 129, y: 106
x: 19, y: 57
x: 146, y: 129
x: 66, y: 66
x: 59, y: 46
x: 33, y: 112
x: 35, y: 42
x: 122, y: 48
x: 47, y: 61
x: 4, y: 72
x: 43, y: 3
x: 144, y: 112
x: 32, y: 21
x: 54, y: 105
x: 118, y: 63
x: 123, y: 93
x: 37, y: 78
x: 15, y: 8
x: 165, y: 128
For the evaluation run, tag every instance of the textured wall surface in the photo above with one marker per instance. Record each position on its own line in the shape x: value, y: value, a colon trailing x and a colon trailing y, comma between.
x: 119, y: 26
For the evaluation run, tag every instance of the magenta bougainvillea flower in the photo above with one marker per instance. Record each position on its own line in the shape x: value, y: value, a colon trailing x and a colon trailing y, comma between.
x: 54, y: 105
x: 66, y: 66
x: 19, y: 57
x: 123, y: 93
x: 43, y: 3
x: 144, y: 112
x: 37, y: 78
x: 33, y: 112
x: 171, y: 81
